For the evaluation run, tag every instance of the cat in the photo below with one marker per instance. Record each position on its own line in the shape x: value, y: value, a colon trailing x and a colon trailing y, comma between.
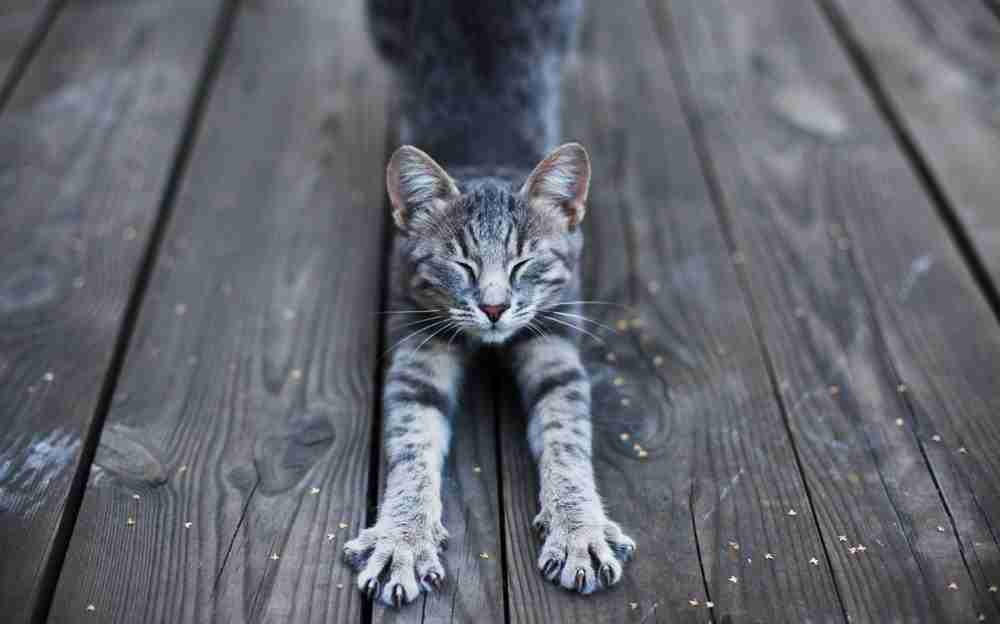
x: 486, y: 255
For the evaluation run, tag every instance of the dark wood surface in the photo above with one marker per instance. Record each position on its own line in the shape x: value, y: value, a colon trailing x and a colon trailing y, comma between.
x: 87, y: 141
x: 687, y: 382
x: 851, y: 273
x: 792, y: 216
x: 23, y: 23
x: 938, y: 66
x: 246, y: 402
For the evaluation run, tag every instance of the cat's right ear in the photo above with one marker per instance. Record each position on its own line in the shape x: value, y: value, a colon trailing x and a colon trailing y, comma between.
x: 419, y: 188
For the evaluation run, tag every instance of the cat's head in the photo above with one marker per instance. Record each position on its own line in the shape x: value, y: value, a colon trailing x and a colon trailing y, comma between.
x: 485, y: 253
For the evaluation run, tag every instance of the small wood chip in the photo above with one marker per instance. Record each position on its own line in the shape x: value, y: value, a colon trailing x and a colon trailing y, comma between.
x: 993, y: 589
x: 962, y: 450
x: 477, y: 469
x: 49, y: 376
x: 130, y: 521
x: 792, y: 512
x: 136, y: 497
x: 484, y: 555
x: 814, y: 561
x: 619, y: 381
x: 768, y: 556
x: 626, y: 402
x: 624, y: 437
x: 899, y: 422
x: 330, y: 536
x: 940, y: 529
x: 340, y: 586
x: 187, y: 525
x: 852, y: 550
x: 982, y: 617
x: 314, y: 490
x: 180, y: 309
x: 343, y: 525
x: 658, y: 360
x: 642, y: 453
x: 183, y: 468
x: 709, y: 604
x: 901, y: 388
x: 274, y: 556
x: 693, y: 602
x: 842, y: 538
x: 734, y: 545
x: 633, y: 605
x: 862, y: 548
x: 622, y: 325
x: 953, y: 586
x: 936, y: 437
x: 91, y: 607
x: 296, y: 373
x: 733, y: 579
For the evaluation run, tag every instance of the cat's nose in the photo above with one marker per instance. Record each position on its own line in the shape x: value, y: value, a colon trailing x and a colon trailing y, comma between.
x: 493, y: 312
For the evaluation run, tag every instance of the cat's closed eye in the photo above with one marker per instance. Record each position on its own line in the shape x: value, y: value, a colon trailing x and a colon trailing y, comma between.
x: 469, y: 270
x: 517, y: 267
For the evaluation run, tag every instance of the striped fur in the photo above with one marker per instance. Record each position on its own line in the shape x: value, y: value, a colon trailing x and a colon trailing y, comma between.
x: 474, y: 240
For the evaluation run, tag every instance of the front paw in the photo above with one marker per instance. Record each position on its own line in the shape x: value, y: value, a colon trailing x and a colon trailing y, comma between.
x: 395, y: 563
x: 582, y: 554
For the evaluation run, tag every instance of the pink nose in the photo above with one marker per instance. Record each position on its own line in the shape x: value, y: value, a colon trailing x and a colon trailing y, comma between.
x: 493, y: 312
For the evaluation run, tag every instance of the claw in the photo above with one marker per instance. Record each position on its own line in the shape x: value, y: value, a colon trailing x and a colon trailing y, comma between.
x: 581, y: 578
x: 434, y: 580
x: 550, y: 566
x: 398, y: 596
x: 627, y: 552
x: 371, y: 589
x: 607, y: 575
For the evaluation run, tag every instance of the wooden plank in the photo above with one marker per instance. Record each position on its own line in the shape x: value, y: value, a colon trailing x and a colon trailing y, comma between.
x: 687, y: 384
x: 22, y: 23
x: 938, y: 65
x: 88, y: 138
x: 246, y: 400
x: 473, y: 590
x: 872, y: 321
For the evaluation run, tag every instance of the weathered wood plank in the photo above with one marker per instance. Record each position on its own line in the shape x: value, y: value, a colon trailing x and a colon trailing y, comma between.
x: 246, y: 400
x: 938, y: 64
x: 21, y: 24
x: 88, y: 138
x: 687, y: 383
x: 850, y: 270
x: 473, y: 590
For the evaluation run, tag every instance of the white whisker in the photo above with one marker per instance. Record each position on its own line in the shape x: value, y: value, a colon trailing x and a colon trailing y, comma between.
x: 584, y: 318
x: 579, y: 329
x: 416, y: 333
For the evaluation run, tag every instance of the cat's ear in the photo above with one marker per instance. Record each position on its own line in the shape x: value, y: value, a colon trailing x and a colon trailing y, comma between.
x: 559, y: 183
x: 419, y: 188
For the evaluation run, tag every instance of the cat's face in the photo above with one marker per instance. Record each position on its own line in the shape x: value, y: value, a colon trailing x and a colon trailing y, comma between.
x: 490, y: 257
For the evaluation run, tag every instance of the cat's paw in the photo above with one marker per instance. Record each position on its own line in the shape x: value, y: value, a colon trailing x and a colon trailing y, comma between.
x: 582, y: 555
x: 396, y: 564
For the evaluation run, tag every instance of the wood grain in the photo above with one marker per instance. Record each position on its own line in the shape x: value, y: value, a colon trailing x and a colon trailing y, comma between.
x: 684, y: 379
x: 22, y: 23
x: 473, y: 590
x: 88, y: 138
x: 246, y: 401
x: 821, y: 201
x: 938, y: 65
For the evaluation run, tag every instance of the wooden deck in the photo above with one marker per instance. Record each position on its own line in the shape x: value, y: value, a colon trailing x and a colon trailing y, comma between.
x: 797, y: 412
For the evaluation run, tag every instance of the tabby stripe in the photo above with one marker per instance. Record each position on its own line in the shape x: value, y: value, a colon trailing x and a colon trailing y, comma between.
x: 554, y: 382
x: 418, y: 391
x: 562, y: 258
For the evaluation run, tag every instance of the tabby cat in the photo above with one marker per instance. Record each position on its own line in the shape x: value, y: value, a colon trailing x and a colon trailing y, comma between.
x: 486, y: 256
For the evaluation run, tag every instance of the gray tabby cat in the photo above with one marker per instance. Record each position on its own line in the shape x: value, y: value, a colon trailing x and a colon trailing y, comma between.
x: 486, y: 256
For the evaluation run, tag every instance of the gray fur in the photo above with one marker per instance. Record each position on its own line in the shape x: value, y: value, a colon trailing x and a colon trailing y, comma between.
x: 482, y: 234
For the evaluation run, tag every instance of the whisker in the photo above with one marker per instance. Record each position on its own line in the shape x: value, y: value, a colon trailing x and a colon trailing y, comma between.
x: 446, y: 327
x: 416, y: 333
x: 423, y: 320
x: 412, y: 311
x: 458, y: 330
x: 584, y: 318
x: 608, y: 303
x: 579, y: 329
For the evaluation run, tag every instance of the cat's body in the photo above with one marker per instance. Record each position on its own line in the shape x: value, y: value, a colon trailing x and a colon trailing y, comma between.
x: 487, y: 256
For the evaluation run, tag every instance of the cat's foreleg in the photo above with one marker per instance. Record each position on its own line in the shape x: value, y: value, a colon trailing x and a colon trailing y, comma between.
x: 397, y: 559
x: 583, y: 549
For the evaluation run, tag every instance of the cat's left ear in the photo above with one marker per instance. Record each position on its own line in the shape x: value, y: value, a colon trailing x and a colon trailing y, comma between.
x: 559, y: 184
